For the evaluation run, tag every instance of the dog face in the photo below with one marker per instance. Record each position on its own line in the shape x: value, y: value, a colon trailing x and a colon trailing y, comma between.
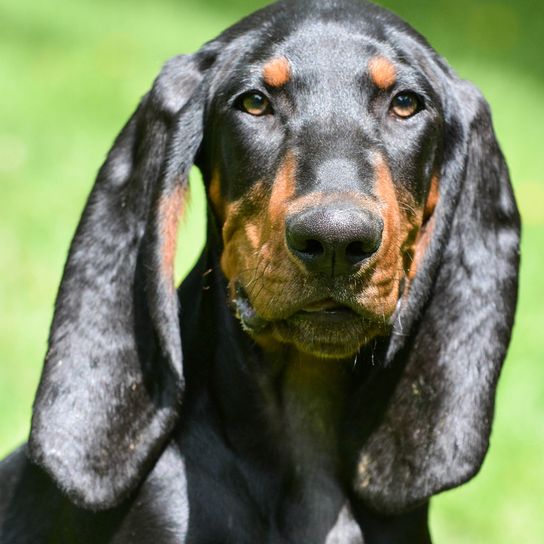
x: 359, y: 191
x: 323, y: 152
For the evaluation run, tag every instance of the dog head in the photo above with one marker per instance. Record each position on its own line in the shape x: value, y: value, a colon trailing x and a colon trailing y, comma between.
x: 323, y: 165
x: 359, y: 192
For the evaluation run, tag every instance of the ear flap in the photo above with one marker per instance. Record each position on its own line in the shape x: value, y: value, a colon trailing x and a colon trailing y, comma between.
x: 427, y: 415
x: 112, y: 381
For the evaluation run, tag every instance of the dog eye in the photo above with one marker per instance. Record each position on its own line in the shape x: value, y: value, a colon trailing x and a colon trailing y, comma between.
x: 405, y: 105
x: 255, y: 103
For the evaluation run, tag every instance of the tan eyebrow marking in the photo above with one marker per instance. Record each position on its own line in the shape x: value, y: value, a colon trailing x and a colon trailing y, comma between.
x: 382, y: 72
x: 277, y: 72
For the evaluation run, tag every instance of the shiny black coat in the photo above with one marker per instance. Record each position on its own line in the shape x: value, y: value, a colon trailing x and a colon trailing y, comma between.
x: 138, y: 440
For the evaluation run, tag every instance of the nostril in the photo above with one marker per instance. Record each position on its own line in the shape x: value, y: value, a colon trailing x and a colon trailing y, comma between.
x: 356, y: 252
x: 313, y: 247
x: 333, y: 240
x: 303, y: 244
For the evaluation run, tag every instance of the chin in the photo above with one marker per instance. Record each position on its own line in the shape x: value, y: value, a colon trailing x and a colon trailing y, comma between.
x: 326, y: 328
x: 327, y: 336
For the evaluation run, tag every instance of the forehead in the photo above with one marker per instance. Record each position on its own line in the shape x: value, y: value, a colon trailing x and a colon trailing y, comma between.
x: 332, y: 48
x: 328, y: 55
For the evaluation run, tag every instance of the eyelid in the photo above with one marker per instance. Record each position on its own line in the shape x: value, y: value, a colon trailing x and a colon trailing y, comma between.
x: 423, y: 96
x: 238, y: 97
x: 418, y: 95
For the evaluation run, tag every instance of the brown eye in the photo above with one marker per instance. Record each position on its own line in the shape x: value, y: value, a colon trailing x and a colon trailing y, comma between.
x: 405, y: 105
x: 255, y: 103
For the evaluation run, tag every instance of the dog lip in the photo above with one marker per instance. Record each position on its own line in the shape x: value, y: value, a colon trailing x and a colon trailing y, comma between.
x: 246, y: 313
x: 327, y: 312
x: 328, y: 317
x: 321, y: 312
x: 327, y: 305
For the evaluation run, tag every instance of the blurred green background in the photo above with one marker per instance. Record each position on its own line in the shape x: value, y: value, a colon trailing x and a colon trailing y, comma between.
x: 70, y: 75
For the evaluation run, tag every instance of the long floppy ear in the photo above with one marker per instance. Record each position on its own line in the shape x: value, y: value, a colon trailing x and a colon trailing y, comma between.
x: 112, y: 380
x: 428, y: 413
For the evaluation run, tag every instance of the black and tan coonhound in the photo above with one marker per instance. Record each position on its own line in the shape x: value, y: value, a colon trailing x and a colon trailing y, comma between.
x: 331, y: 361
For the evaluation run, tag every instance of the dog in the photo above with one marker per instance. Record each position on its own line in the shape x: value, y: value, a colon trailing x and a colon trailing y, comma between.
x: 331, y: 361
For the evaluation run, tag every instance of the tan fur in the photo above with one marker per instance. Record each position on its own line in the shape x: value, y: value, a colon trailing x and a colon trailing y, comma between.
x: 382, y: 72
x: 255, y: 252
x: 254, y: 234
x: 425, y: 233
x: 380, y: 291
x: 277, y: 72
x: 171, y: 207
x: 432, y: 198
x: 214, y: 193
x: 283, y: 190
x: 402, y: 219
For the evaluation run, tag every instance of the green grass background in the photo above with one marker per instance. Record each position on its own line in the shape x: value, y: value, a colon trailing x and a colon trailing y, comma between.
x: 70, y: 75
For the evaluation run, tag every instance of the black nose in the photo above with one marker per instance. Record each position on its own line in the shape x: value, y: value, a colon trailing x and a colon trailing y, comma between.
x: 333, y: 240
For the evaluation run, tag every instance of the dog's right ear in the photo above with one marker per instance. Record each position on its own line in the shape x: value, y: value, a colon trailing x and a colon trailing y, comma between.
x: 112, y: 381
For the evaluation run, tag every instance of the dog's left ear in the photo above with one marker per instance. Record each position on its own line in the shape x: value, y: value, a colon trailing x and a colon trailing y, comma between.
x: 427, y: 415
x: 112, y: 381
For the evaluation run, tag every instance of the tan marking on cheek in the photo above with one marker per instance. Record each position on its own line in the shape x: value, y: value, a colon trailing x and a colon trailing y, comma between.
x: 267, y: 251
x: 254, y: 243
x: 277, y: 72
x: 283, y: 190
x: 240, y: 211
x: 253, y: 235
x: 432, y: 198
x: 382, y: 72
x: 232, y: 228
x: 422, y: 243
x: 424, y: 235
x: 390, y: 210
x: 214, y: 193
x: 171, y: 208
x: 381, y: 290
x: 242, y: 230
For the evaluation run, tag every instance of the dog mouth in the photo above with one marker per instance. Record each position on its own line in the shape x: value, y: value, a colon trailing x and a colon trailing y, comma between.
x: 327, y: 310
x: 245, y: 312
x: 326, y: 327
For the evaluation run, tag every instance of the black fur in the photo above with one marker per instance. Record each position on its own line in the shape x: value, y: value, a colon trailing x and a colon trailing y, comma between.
x: 130, y: 445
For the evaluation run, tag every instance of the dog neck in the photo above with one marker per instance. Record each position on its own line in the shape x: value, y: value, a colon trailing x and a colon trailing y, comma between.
x: 291, y: 417
x: 305, y: 398
x: 281, y: 411
x: 299, y: 399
